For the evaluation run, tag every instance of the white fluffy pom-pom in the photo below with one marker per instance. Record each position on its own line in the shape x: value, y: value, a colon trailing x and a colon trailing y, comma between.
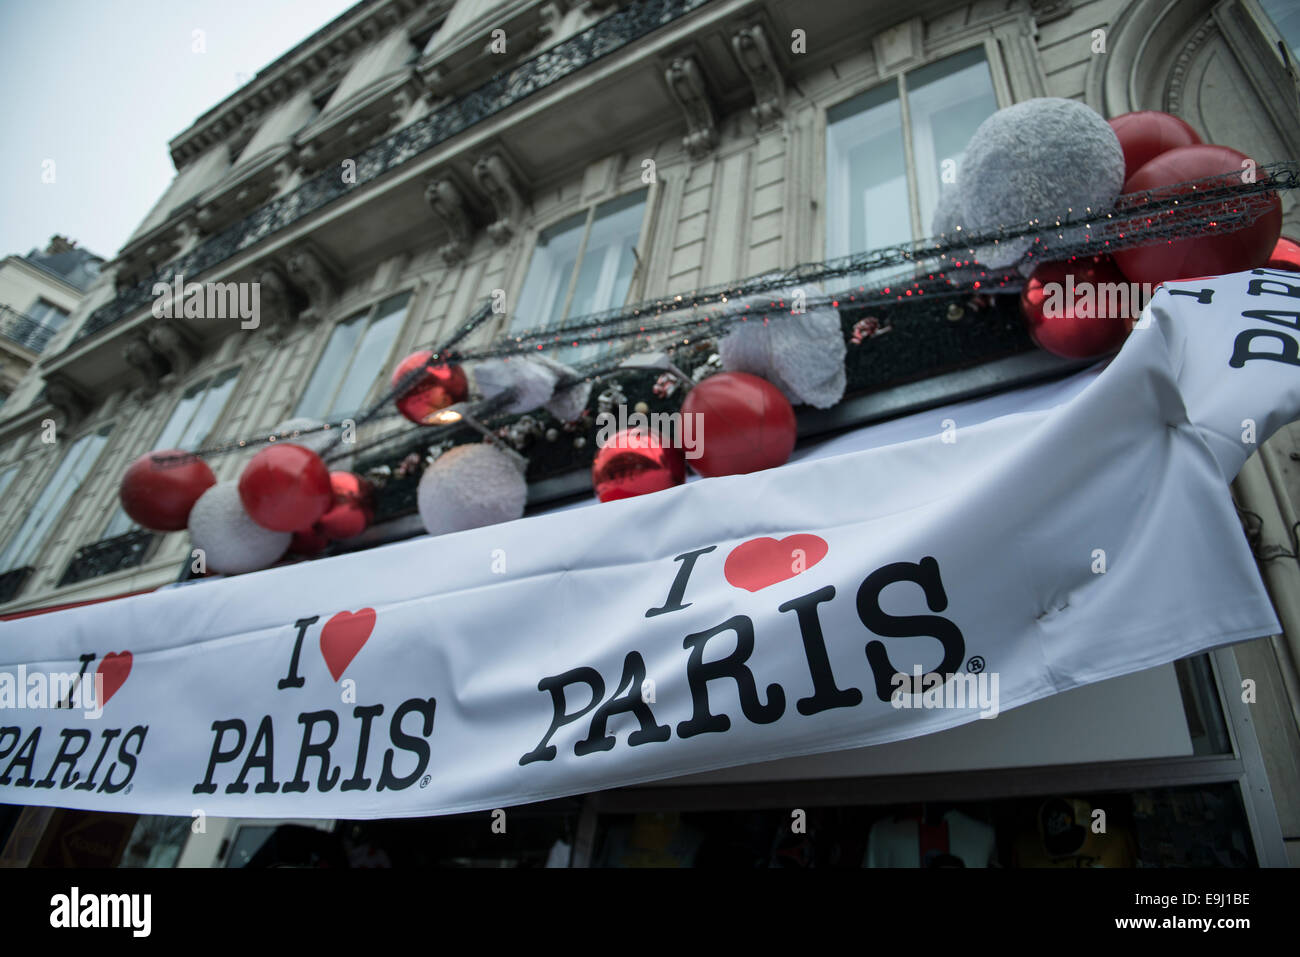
x: 471, y: 486
x: 1036, y: 160
x: 800, y: 354
x: 569, y: 402
x: 532, y: 382
x: 232, y: 543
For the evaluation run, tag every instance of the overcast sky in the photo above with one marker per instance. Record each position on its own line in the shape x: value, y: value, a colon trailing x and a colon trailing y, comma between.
x: 101, y: 87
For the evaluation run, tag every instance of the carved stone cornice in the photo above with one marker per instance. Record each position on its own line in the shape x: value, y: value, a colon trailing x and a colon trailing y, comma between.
x: 493, y: 176
x: 1045, y: 11
x: 280, y: 303
x: 448, y: 204
x: 686, y: 84
x: 67, y: 399
x: 175, y: 347
x: 754, y: 53
x: 148, y: 365
x: 316, y: 278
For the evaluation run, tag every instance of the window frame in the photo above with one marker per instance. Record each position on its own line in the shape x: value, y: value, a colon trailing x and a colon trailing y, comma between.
x: 846, y: 90
x: 642, y: 252
x: 369, y: 305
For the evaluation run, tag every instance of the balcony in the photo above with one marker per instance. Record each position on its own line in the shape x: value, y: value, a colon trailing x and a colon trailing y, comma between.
x: 24, y: 331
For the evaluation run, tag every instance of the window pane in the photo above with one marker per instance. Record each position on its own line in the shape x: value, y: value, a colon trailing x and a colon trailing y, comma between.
x: 182, y: 415
x: 332, y: 366
x: 1285, y: 15
x: 67, y: 478
x: 947, y: 101
x: 541, y: 301
x: 369, y: 361
x: 608, y: 261
x: 866, y: 175
x: 218, y: 390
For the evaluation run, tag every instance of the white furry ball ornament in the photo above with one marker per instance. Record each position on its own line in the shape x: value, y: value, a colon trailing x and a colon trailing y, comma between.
x: 1036, y: 160
x: 533, y: 383
x: 471, y: 486
x: 801, y: 354
x: 232, y: 543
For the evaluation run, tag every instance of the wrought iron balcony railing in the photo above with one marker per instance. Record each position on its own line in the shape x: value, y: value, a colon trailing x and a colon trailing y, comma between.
x: 24, y: 330
x: 107, y: 556
x: 624, y: 26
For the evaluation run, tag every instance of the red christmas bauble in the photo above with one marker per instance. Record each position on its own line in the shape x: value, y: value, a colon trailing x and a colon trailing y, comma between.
x: 1285, y: 255
x: 441, y: 386
x: 159, y: 488
x: 309, y: 542
x: 351, y: 513
x: 634, y: 462
x: 1078, y: 309
x: 1211, y: 255
x: 745, y: 424
x: 285, y: 488
x: 1146, y: 134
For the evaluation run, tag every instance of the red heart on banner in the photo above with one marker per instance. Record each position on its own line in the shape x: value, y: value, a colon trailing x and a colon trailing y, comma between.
x: 343, y: 636
x: 760, y: 562
x: 114, y: 668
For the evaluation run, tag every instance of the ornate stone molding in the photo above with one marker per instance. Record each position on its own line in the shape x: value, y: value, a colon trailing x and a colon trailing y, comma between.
x: 754, y: 53
x: 1178, y: 73
x: 278, y: 300
x: 495, y: 179
x: 1045, y: 11
x: 167, y: 340
x: 149, y: 366
x: 67, y: 399
x: 448, y: 204
x: 686, y: 83
x: 315, y: 278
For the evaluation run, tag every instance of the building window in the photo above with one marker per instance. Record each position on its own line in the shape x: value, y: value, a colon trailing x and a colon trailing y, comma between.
x: 76, y: 465
x: 582, y: 265
x: 1285, y: 15
x: 356, y: 355
x: 48, y: 314
x: 190, y: 423
x: 875, y: 196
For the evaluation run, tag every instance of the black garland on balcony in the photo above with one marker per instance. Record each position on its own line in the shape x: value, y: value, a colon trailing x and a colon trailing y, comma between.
x: 624, y: 26
x: 107, y: 556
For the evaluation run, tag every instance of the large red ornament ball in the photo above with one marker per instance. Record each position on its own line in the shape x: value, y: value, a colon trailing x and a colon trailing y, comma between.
x: 1285, y: 255
x: 351, y: 512
x: 635, y: 462
x: 309, y: 542
x: 1211, y: 255
x: 744, y: 424
x: 1078, y: 309
x: 159, y: 488
x: 442, y: 386
x: 1146, y: 134
x: 285, y: 488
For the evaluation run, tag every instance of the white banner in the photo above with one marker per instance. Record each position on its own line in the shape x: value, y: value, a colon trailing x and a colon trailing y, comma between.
x: 955, y: 564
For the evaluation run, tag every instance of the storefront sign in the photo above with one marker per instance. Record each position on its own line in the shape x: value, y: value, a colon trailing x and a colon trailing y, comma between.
x: 959, y: 563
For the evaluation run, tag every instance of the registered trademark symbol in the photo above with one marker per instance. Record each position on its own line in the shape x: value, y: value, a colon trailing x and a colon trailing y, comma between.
x: 975, y: 665
x: 424, y: 781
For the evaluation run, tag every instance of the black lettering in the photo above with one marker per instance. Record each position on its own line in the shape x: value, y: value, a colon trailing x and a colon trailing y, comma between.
x: 1291, y: 319
x: 89, y: 783
x: 826, y: 694
x: 25, y: 756
x: 85, y: 659
x: 367, y: 714
x: 221, y: 757
x: 633, y: 679
x: 678, y: 590
x: 260, y: 755
x: 417, y: 746
x: 1258, y: 287
x: 328, y: 776
x: 556, y: 685
x: 66, y: 757
x: 15, y: 733
x: 699, y: 673
x: 925, y: 574
x: 1241, y: 353
x: 127, y: 758
x: 293, y: 679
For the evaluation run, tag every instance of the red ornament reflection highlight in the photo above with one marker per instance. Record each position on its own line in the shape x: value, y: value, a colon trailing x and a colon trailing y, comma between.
x: 352, y: 511
x: 441, y: 386
x: 634, y: 463
x: 285, y: 488
x: 1080, y: 309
